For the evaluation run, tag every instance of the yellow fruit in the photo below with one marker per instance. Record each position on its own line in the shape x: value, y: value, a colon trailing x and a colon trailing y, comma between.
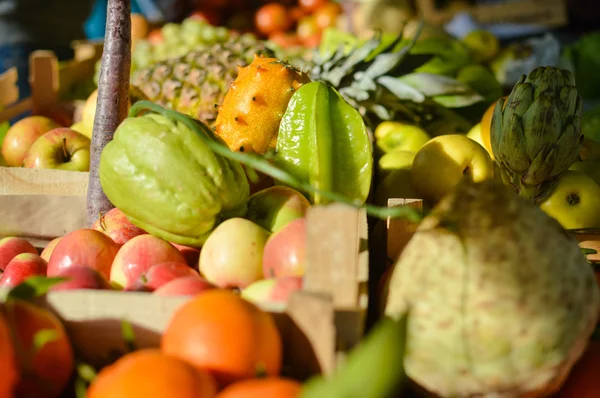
x: 249, y: 117
x: 82, y: 129
x: 395, y: 160
x: 391, y: 136
x: 447, y: 159
x: 484, y: 44
x: 574, y: 202
x: 486, y: 125
x: 89, y: 111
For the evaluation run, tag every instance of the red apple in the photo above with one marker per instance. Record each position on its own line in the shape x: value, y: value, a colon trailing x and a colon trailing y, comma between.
x: 285, y: 251
x: 83, y: 247
x: 80, y: 277
x: 191, y: 254
x: 47, y: 252
x: 160, y: 274
x: 116, y: 225
x: 22, y: 135
x: 61, y: 148
x: 11, y: 247
x: 274, y: 290
x: 186, y: 286
x: 138, y: 255
x: 21, y: 267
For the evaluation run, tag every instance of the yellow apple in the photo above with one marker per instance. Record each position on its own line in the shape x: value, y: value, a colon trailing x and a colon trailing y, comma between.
x: 475, y: 135
x: 89, y: 111
x: 395, y: 160
x: 447, y: 159
x: 398, y: 184
x: 574, y: 202
x: 399, y: 136
x: 591, y: 167
x: 82, y: 129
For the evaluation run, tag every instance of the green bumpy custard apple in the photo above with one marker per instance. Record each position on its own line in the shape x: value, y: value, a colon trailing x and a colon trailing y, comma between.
x: 168, y: 182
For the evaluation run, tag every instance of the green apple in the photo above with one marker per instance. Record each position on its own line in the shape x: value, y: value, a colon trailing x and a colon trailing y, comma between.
x: 574, y: 201
x: 395, y: 160
x: 398, y: 184
x: 60, y: 148
x: 399, y: 136
x: 591, y: 167
x: 21, y: 136
x: 444, y: 161
x: 273, y: 208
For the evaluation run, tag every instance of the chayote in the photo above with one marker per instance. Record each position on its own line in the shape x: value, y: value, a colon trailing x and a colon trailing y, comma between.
x: 323, y: 140
x: 168, y: 181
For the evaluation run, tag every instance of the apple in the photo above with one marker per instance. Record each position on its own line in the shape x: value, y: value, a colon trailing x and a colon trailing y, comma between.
x: 591, y: 167
x: 80, y: 277
x: 83, y: 247
x: 12, y: 246
x: 82, y: 129
x: 444, y: 161
x: 274, y: 290
x: 117, y: 226
x: 395, y: 160
x: 391, y: 135
x: 398, y: 184
x: 475, y: 135
x: 274, y: 207
x: 186, y: 286
x: 574, y: 202
x: 285, y: 251
x: 89, y: 112
x: 47, y: 252
x: 21, y: 267
x: 139, y: 254
x: 233, y: 253
x: 160, y: 274
x: 61, y: 148
x: 22, y: 135
x: 191, y: 254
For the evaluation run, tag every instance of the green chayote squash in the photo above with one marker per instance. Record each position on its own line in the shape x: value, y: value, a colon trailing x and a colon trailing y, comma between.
x: 323, y: 140
x: 168, y: 181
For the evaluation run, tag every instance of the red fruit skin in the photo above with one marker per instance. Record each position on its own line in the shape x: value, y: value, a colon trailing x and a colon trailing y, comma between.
x: 285, y: 251
x: 50, y: 367
x: 12, y: 246
x: 186, y: 286
x: 160, y: 274
x: 21, y: 267
x: 117, y: 226
x: 191, y: 254
x: 285, y: 286
x: 80, y: 277
x: 47, y: 252
x: 83, y: 247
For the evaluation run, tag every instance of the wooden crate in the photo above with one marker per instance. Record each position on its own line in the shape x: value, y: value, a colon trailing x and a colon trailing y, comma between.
x: 49, y: 80
x: 550, y: 13
x: 319, y: 324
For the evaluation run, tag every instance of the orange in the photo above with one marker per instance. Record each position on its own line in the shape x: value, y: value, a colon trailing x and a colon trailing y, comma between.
x: 149, y: 373
x: 272, y: 17
x: 139, y: 27
x: 8, y: 365
x: 46, y: 369
x: 225, y: 334
x: 271, y: 387
x: 486, y: 125
x: 584, y: 379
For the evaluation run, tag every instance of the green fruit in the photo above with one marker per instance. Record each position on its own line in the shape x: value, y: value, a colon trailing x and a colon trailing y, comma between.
x: 373, y: 369
x: 591, y: 167
x: 168, y: 182
x: 483, y: 43
x: 395, y: 160
x: 322, y: 139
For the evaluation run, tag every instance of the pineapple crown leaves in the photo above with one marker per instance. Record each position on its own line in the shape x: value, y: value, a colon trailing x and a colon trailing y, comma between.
x: 371, y: 71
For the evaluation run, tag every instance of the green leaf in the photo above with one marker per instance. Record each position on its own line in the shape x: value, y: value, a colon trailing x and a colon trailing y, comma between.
x: 33, y: 287
x: 400, y: 89
x: 458, y: 100
x: 128, y: 335
x: 43, y: 337
x: 433, y: 85
x: 322, y: 139
x: 85, y: 374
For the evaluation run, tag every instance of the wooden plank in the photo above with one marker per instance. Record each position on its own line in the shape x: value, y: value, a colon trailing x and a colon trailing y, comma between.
x: 22, y: 181
x: 9, y: 91
x: 589, y: 239
x: 332, y: 264
x: 16, y: 109
x: 400, y: 231
x: 44, y: 80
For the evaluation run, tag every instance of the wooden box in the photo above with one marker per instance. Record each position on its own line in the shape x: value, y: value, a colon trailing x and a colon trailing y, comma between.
x: 550, y: 13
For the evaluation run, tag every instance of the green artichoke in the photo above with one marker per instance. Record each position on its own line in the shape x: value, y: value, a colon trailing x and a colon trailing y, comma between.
x: 168, y: 181
x: 501, y: 301
x: 536, y: 132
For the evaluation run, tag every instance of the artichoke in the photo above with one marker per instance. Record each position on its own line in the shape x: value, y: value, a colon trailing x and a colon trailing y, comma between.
x: 536, y: 132
x: 501, y: 301
x: 168, y: 181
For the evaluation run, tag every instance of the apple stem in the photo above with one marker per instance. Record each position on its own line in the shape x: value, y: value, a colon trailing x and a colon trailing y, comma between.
x: 64, y: 148
x: 113, y: 97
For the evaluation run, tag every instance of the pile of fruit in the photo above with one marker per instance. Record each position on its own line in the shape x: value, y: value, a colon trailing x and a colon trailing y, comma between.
x: 224, y: 150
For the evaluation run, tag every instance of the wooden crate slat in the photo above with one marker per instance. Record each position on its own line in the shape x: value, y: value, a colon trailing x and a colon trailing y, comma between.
x: 23, y: 181
x: 9, y: 91
x: 400, y: 231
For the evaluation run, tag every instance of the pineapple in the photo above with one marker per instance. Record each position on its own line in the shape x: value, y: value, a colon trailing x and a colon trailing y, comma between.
x: 249, y: 117
x: 195, y: 84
